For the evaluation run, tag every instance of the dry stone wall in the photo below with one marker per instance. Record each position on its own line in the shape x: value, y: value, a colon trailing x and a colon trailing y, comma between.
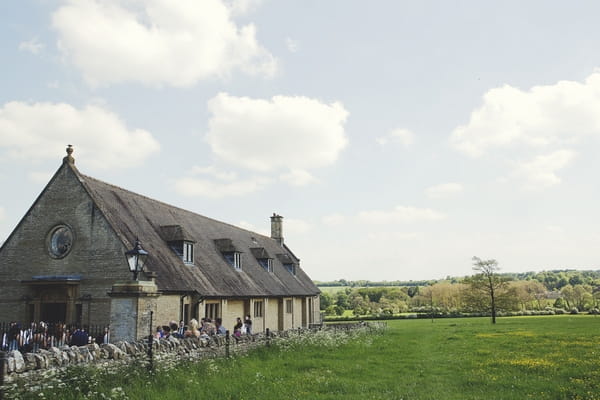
x: 37, y: 365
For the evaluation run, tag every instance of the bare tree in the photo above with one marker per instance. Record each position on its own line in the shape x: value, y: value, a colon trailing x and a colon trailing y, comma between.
x: 488, y: 284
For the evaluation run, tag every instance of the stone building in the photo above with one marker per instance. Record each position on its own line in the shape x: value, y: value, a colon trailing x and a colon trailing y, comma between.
x: 65, y: 262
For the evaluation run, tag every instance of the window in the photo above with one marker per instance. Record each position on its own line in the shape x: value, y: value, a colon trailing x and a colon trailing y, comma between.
x: 188, y: 252
x: 234, y: 259
x: 291, y: 268
x: 266, y: 263
x: 184, y: 250
x: 289, y: 306
x: 258, y: 309
x: 212, y: 311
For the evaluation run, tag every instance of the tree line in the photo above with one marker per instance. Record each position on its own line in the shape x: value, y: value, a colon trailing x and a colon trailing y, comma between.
x: 487, y: 291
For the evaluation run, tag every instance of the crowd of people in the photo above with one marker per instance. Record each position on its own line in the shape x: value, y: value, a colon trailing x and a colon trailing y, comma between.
x: 43, y: 335
x: 203, y: 329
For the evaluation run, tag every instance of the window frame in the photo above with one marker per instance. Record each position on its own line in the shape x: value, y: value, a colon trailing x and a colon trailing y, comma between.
x: 234, y: 258
x: 259, y: 309
x: 267, y: 264
x: 212, y: 310
x: 188, y: 253
x: 291, y: 267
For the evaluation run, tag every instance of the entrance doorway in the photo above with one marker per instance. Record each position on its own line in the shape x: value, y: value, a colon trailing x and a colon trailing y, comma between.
x: 53, y: 312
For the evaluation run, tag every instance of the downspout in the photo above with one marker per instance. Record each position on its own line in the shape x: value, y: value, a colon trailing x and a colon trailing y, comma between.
x: 181, y: 308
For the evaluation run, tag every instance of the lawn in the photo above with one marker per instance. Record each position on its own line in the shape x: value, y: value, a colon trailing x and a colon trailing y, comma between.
x: 554, y: 357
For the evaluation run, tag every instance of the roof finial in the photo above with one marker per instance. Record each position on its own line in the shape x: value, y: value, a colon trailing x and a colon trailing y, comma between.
x: 69, y: 158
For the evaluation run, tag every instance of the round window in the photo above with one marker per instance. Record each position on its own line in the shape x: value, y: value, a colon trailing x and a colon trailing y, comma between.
x: 61, y: 241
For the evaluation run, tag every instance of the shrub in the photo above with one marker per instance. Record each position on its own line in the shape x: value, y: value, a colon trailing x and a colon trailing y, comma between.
x: 574, y: 310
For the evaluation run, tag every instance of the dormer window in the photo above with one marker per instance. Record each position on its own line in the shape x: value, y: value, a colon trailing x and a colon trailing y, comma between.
x: 263, y: 258
x: 291, y: 268
x: 266, y: 263
x: 234, y: 259
x: 180, y: 241
x: 230, y: 253
x: 288, y: 262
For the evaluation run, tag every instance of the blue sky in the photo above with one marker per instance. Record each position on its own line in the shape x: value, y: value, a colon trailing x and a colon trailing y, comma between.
x: 398, y: 139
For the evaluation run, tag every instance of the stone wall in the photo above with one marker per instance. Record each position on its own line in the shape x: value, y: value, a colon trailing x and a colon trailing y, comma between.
x: 36, y: 365
x: 96, y: 256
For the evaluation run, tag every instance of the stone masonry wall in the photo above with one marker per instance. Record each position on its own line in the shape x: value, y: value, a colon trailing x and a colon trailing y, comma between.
x: 34, y: 366
x: 96, y: 254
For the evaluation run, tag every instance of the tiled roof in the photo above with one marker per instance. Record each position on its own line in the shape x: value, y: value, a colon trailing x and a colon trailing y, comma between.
x: 155, y: 223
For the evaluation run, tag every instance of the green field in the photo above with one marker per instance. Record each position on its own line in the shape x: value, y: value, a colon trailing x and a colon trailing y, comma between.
x: 554, y: 357
x: 333, y: 289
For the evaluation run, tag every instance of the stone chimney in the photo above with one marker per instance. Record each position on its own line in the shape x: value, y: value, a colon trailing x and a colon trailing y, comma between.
x: 277, y: 228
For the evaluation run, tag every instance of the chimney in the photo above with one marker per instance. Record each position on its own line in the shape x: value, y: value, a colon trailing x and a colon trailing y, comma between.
x: 277, y: 228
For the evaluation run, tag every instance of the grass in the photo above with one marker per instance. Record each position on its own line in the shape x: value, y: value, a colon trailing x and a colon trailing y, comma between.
x: 555, y: 357
x: 333, y: 289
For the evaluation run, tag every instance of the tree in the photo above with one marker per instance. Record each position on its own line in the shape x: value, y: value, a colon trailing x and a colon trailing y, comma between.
x: 342, y: 300
x: 326, y: 300
x: 488, y: 284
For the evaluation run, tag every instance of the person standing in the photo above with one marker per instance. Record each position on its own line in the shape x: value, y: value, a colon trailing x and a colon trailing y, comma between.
x: 237, y: 328
x: 14, y: 335
x: 248, y: 324
x: 220, y: 328
x: 79, y: 337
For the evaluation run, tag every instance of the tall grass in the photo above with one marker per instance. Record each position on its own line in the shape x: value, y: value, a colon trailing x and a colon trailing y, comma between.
x: 553, y: 357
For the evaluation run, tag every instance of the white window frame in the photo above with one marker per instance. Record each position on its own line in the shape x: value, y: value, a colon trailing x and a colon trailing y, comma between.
x: 188, y: 252
x: 237, y: 260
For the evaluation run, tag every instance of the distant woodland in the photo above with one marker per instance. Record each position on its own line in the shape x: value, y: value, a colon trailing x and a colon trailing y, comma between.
x: 547, y: 292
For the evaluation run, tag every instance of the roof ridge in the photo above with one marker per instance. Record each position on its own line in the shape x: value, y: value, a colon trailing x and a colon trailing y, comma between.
x: 168, y: 205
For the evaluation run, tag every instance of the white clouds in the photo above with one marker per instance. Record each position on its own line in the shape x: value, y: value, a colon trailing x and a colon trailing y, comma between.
x: 395, y: 237
x: 296, y: 226
x: 215, y: 172
x: 216, y: 183
x: 298, y: 177
x: 40, y: 131
x: 334, y: 219
x: 251, y: 227
x: 241, y: 7
x: 32, y: 46
x: 291, y: 44
x: 295, y: 133
x: 556, y: 114
x: 541, y: 170
x: 216, y: 189
x: 401, y: 136
x: 537, y: 131
x: 444, y: 190
x: 400, y: 214
x: 41, y: 177
x: 158, y: 42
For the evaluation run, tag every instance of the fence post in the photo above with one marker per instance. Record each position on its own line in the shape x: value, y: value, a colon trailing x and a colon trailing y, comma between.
x: 150, y: 344
x: 227, y: 343
x: 268, y: 337
x: 2, y: 367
